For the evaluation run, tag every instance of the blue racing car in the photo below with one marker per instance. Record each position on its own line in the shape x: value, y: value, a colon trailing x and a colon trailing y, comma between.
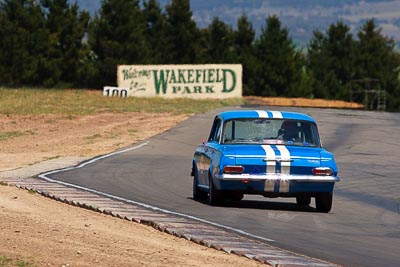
x: 269, y: 153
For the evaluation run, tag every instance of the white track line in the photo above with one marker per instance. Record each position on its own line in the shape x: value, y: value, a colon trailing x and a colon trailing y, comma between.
x: 44, y: 176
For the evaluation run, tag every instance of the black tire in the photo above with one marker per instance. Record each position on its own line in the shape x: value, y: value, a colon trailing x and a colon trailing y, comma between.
x: 323, y: 201
x: 236, y: 196
x: 198, y: 194
x: 303, y: 200
x: 215, y: 197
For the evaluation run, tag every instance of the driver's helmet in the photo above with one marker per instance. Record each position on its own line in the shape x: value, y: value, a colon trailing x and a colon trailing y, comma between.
x: 289, y: 129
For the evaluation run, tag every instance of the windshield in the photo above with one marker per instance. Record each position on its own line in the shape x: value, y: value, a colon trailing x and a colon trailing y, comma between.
x: 271, y: 132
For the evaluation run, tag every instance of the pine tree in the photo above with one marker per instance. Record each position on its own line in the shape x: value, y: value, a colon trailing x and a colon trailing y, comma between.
x: 244, y: 38
x: 6, y: 45
x: 374, y: 51
x: 277, y: 69
x: 318, y: 64
x: 23, y: 43
x: 182, y: 33
x: 219, y: 40
x: 341, y: 47
x: 67, y: 27
x: 378, y: 60
x: 117, y: 36
x: 331, y: 60
x: 156, y: 27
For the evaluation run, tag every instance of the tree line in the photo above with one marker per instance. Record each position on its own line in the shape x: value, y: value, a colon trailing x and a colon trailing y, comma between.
x: 52, y: 43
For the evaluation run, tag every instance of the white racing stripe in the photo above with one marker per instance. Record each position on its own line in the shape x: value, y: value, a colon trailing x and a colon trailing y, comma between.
x: 285, y: 156
x: 262, y: 113
x: 271, y: 157
x: 277, y: 114
x: 285, y: 168
x: 271, y: 167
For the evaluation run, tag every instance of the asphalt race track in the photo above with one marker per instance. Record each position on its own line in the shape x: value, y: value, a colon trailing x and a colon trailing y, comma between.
x: 363, y: 228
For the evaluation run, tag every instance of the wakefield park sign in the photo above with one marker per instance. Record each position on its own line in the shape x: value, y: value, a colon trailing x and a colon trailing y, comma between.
x: 173, y: 81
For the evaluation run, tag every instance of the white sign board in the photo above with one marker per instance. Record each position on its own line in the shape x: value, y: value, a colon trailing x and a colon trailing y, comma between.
x: 115, y: 91
x: 173, y: 81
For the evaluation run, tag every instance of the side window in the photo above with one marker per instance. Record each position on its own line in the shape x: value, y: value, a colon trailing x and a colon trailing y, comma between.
x: 218, y: 132
x: 215, y: 131
x: 228, y: 132
x: 315, y: 135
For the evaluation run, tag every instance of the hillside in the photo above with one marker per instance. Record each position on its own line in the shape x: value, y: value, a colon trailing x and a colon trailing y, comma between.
x: 300, y: 16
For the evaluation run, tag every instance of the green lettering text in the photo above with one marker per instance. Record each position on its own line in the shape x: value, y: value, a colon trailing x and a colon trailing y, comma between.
x: 209, y: 89
x: 181, y: 76
x: 160, y: 81
x: 227, y: 72
x: 197, y: 89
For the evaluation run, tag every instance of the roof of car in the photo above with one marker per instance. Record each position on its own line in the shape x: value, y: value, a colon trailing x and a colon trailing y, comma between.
x: 234, y: 114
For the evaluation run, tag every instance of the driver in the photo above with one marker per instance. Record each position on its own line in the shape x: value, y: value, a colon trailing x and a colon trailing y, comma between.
x: 289, y: 131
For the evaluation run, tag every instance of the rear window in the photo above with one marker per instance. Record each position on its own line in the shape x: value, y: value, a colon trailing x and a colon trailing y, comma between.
x: 270, y: 131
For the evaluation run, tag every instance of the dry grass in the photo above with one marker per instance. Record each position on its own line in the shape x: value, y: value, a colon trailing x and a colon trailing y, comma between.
x: 87, y: 102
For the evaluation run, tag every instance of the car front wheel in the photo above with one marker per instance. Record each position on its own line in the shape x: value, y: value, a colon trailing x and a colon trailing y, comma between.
x: 323, y: 201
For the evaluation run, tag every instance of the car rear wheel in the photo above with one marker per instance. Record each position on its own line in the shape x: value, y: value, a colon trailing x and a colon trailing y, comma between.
x: 236, y: 196
x: 303, y: 200
x: 323, y: 201
x: 215, y: 197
